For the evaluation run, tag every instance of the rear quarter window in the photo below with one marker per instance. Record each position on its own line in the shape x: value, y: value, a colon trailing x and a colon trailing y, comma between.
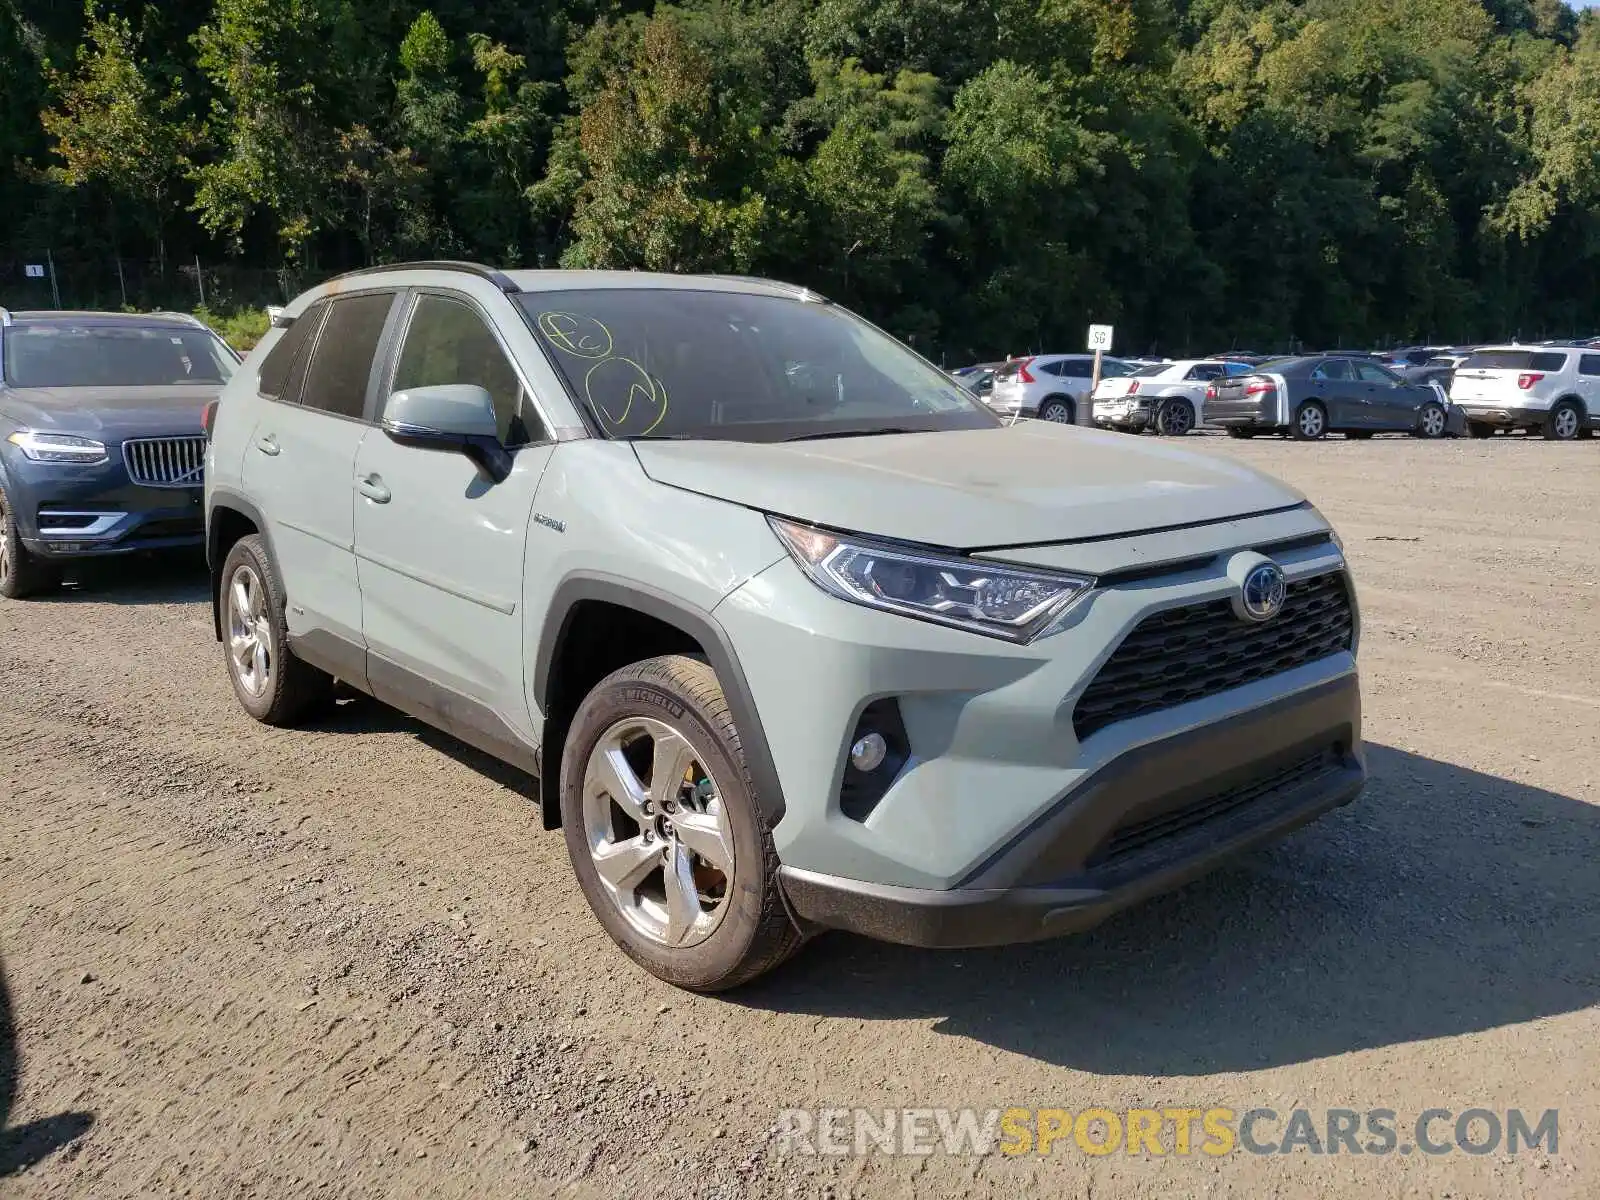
x: 1516, y: 360
x: 273, y: 378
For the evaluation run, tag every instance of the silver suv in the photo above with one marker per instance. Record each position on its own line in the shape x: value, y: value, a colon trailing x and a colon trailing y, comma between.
x: 792, y: 632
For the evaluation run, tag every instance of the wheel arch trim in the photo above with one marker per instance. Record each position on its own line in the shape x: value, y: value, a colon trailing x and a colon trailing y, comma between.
x: 229, y: 499
x: 702, y: 626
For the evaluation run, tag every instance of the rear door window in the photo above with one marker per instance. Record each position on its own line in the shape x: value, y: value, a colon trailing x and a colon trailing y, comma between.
x: 341, y: 365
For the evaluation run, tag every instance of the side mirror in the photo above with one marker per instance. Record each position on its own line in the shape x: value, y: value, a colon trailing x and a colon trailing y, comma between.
x: 449, y: 416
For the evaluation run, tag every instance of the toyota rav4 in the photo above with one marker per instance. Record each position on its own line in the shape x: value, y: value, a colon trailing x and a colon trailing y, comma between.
x: 791, y: 631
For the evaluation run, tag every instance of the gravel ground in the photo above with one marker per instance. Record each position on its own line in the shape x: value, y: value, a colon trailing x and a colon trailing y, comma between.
x: 348, y: 962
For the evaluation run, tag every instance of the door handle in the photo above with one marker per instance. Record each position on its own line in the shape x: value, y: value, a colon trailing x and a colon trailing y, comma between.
x: 269, y: 446
x: 373, y: 489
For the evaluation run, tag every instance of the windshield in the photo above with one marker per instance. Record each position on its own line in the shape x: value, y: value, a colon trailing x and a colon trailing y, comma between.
x: 114, y: 356
x: 656, y: 362
x: 1515, y: 360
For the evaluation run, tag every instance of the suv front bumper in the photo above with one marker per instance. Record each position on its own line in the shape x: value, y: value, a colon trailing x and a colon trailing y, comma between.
x: 1000, y: 816
x: 69, y: 511
x: 1143, y: 824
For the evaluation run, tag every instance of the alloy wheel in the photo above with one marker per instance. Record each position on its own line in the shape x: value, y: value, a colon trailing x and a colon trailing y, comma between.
x: 5, y: 542
x: 1566, y: 422
x: 1058, y: 413
x: 1433, y: 421
x: 1311, y: 421
x: 657, y: 831
x: 249, y: 632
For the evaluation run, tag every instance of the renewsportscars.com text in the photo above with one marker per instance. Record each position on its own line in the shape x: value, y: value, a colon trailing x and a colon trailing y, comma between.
x: 1161, y: 1131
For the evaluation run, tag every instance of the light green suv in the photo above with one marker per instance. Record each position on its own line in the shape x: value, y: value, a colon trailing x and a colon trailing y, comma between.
x: 792, y: 632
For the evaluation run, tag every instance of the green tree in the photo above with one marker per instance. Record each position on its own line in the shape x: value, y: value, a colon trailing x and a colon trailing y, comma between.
x: 111, y: 126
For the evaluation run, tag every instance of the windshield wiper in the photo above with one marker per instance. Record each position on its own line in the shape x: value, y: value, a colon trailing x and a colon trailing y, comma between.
x: 848, y: 433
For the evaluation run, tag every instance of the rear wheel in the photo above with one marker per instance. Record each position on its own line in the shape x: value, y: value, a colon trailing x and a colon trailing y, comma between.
x: 1564, y: 423
x: 1310, y: 422
x: 668, y: 844
x: 273, y: 686
x: 1432, y: 421
x: 22, y: 574
x: 1057, y: 409
x: 1175, y: 419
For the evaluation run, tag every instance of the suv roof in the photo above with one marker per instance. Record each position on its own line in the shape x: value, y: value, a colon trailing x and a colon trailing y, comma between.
x: 520, y: 280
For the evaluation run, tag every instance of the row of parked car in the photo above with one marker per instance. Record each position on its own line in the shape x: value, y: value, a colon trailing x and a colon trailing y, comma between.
x: 1429, y: 392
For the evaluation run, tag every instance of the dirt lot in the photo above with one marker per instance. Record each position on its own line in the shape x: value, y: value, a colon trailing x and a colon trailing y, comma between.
x: 348, y: 962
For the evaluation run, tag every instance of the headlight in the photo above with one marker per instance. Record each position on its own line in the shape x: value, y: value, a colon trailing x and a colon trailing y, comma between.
x: 988, y: 598
x: 59, y: 448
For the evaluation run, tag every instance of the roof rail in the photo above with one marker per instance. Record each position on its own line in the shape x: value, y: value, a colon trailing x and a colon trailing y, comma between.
x: 188, y: 318
x: 499, y: 278
x: 794, y: 289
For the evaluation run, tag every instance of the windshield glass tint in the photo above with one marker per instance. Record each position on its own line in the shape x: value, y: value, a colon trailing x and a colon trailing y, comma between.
x: 651, y: 362
x: 1515, y: 360
x: 101, y: 356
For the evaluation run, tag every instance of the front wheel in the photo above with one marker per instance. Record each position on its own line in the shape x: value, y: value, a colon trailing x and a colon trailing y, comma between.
x: 669, y: 846
x: 1311, y: 422
x: 22, y: 574
x: 1432, y: 421
x: 1564, y: 423
x: 1057, y: 410
x: 1175, y: 419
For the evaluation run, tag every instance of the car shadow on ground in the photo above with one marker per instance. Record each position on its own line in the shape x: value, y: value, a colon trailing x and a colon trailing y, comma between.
x: 25, y: 1145
x: 356, y: 712
x: 1443, y: 902
x: 176, y: 577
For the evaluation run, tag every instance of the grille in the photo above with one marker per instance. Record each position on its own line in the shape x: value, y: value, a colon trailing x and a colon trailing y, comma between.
x: 1189, y: 653
x: 1140, y: 836
x: 166, y: 462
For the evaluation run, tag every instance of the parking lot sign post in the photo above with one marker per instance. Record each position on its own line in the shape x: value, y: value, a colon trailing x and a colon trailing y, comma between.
x: 1099, y: 341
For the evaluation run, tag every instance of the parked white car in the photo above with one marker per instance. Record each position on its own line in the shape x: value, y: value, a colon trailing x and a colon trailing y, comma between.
x: 1051, y: 387
x: 1167, y: 397
x: 1550, y: 390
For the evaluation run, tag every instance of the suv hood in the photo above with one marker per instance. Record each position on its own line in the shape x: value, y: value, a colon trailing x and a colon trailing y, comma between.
x: 974, y: 489
x: 111, y: 414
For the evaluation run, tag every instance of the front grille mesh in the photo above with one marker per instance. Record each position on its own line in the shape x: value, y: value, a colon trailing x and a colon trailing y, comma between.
x: 166, y: 462
x: 1189, y: 653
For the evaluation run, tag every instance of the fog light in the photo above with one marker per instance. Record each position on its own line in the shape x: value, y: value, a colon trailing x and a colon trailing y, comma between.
x: 868, y: 754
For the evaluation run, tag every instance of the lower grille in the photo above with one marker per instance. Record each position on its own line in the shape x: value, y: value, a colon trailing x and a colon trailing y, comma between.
x: 166, y: 462
x: 1185, y: 654
x: 171, y: 528
x: 1135, y: 838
